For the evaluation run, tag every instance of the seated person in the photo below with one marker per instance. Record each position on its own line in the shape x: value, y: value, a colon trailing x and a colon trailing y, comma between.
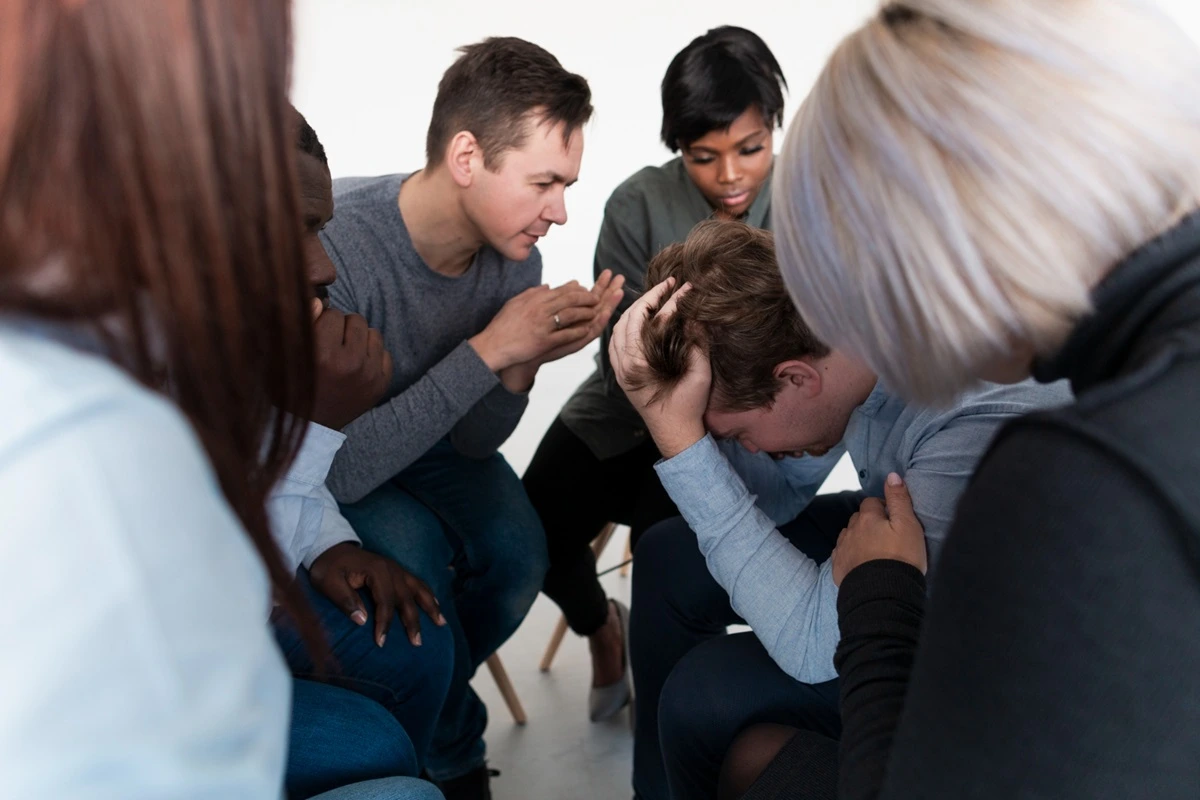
x: 370, y: 712
x: 134, y: 535
x: 443, y: 263
x: 722, y: 99
x: 751, y: 412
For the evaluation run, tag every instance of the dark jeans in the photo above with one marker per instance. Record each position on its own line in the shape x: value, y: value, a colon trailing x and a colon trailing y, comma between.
x: 697, y: 688
x: 465, y: 527
x: 575, y: 495
x: 339, y: 738
x: 409, y: 683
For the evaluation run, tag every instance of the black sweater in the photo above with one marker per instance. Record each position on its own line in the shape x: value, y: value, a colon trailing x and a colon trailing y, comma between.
x: 1060, y: 653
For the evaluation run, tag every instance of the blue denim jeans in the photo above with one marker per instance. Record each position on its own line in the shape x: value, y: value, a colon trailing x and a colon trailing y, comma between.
x: 407, y: 682
x: 340, y: 738
x: 466, y: 527
x: 385, y: 789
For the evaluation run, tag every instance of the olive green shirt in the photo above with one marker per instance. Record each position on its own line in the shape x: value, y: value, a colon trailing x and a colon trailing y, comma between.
x: 655, y: 207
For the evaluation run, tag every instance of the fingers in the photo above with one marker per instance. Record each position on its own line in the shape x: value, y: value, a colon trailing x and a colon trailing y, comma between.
x: 426, y: 599
x: 379, y: 582
x: 338, y: 589
x: 654, y: 296
x: 569, y: 297
x: 669, y: 307
x: 573, y: 316
x: 899, y: 501
x: 356, y: 333
x: 872, y: 508
x: 409, y: 616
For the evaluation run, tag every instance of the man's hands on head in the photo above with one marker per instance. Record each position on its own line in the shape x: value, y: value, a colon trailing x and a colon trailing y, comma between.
x: 343, y: 569
x: 353, y: 368
x: 881, y: 529
x: 542, y: 324
x: 675, y: 417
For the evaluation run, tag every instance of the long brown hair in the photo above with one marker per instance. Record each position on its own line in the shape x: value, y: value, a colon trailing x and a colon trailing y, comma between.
x: 146, y: 176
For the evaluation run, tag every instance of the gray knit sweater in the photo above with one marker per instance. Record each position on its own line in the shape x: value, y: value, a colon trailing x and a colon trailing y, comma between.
x: 440, y: 387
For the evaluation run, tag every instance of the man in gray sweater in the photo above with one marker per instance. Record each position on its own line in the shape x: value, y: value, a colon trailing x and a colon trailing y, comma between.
x: 443, y: 262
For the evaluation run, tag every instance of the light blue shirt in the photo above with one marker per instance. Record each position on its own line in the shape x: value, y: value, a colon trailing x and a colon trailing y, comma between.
x: 137, y: 664
x: 305, y: 519
x: 734, y: 500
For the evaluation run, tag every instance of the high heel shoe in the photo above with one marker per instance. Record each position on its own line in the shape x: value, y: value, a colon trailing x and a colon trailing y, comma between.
x: 605, y: 701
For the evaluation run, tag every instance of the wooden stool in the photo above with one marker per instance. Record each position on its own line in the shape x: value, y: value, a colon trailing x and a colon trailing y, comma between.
x: 500, y: 675
x: 556, y: 638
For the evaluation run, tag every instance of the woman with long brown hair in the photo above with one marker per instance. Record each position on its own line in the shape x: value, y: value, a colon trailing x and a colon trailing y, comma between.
x: 149, y: 227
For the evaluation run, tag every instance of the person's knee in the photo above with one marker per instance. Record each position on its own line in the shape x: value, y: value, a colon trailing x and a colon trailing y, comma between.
x: 511, y: 556
x: 340, y: 737
x: 668, y: 562
x: 688, y: 708
x: 749, y: 756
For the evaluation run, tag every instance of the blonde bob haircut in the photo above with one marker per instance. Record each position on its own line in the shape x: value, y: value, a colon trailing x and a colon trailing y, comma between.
x: 965, y: 172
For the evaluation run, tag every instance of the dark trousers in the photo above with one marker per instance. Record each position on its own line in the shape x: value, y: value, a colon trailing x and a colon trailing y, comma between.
x: 696, y: 687
x: 576, y: 494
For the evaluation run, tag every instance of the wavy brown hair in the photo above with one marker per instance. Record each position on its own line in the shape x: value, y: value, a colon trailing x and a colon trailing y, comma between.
x: 737, y: 310
x: 146, y: 177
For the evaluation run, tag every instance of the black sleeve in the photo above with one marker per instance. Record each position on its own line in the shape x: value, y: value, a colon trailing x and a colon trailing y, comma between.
x: 1059, y: 654
x: 880, y: 605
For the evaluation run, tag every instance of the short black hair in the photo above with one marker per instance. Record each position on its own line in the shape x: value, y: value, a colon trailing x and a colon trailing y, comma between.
x: 307, y: 141
x: 491, y: 88
x: 712, y: 81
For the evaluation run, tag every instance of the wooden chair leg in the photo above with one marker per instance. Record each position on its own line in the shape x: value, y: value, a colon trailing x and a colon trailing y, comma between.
x: 500, y: 675
x: 560, y: 631
x: 556, y: 639
x: 628, y: 559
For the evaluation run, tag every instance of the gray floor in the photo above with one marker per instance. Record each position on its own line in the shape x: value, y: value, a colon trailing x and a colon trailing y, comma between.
x: 559, y: 754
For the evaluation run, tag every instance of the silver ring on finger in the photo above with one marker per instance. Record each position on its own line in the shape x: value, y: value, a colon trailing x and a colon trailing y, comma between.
x: 557, y: 323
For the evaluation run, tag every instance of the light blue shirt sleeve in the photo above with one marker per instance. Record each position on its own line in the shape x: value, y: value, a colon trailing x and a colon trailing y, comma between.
x: 789, y: 600
x: 305, y: 519
x: 138, y: 663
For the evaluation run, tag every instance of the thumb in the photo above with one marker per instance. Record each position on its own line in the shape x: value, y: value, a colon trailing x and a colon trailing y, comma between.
x: 899, y: 501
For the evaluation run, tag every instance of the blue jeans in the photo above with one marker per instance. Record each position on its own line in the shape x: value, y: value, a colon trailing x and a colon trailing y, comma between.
x: 407, y: 682
x: 467, y: 528
x: 385, y: 789
x: 696, y: 687
x: 340, y: 738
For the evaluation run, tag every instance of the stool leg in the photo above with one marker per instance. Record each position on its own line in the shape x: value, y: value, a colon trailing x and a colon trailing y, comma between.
x: 500, y: 675
x: 556, y: 639
x: 628, y: 559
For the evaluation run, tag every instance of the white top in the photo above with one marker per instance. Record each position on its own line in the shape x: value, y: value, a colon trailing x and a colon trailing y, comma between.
x: 135, y: 663
x: 305, y: 519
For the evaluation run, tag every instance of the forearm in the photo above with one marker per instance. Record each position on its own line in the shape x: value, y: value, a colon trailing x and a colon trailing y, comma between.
x: 489, y: 423
x: 390, y: 437
x: 786, y: 597
x: 880, y: 608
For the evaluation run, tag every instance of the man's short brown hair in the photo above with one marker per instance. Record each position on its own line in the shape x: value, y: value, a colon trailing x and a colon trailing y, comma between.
x: 495, y: 89
x: 738, y: 310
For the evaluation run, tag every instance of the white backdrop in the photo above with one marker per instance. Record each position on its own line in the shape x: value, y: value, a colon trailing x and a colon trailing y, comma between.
x: 366, y: 73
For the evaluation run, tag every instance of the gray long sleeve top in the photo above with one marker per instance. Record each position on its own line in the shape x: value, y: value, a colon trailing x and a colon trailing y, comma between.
x: 440, y: 387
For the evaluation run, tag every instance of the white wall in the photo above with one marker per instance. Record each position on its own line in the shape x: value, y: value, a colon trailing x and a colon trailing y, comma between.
x: 367, y: 70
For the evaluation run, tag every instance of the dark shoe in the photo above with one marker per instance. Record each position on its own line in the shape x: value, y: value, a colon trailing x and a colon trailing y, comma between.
x: 475, y: 785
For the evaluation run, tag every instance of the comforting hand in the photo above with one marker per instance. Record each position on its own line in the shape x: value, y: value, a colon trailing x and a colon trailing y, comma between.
x: 352, y: 367
x: 880, y: 531
x: 607, y: 293
x: 343, y: 569
x: 535, y: 322
x: 675, y: 418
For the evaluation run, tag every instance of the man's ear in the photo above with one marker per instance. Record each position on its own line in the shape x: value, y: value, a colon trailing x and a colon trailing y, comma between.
x: 464, y: 158
x: 800, y: 375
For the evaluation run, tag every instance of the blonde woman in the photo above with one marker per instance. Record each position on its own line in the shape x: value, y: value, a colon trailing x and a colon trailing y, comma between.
x: 989, y: 190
